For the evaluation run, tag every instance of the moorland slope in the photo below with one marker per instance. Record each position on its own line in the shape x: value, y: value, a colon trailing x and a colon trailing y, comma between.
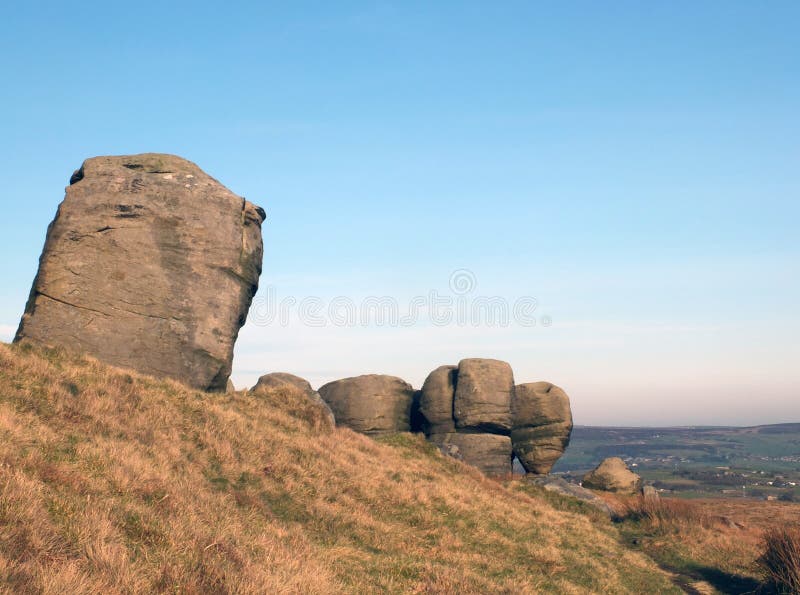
x: 111, y: 481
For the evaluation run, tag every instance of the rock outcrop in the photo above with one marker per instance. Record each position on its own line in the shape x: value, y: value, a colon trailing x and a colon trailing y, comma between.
x: 436, y: 400
x: 471, y: 411
x: 466, y: 411
x: 277, y: 382
x: 370, y: 404
x: 478, y: 398
x: 491, y: 453
x: 282, y: 380
x: 483, y: 396
x: 149, y: 264
x: 541, y: 425
x: 612, y: 475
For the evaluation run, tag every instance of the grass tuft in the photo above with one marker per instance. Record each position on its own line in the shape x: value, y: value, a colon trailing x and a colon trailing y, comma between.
x: 662, y: 513
x: 780, y: 561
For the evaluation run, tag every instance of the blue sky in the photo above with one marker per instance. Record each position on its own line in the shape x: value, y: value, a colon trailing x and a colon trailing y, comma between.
x: 633, y: 166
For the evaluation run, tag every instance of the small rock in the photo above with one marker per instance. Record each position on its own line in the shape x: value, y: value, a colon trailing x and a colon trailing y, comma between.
x: 451, y: 450
x: 560, y: 486
x: 612, y: 475
x: 649, y: 493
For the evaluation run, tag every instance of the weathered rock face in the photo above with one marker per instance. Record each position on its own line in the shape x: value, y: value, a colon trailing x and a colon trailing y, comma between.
x: 436, y: 400
x: 491, y: 453
x: 541, y: 425
x: 538, y: 449
x: 282, y: 381
x: 466, y: 411
x: 612, y: 475
x: 149, y: 264
x: 371, y: 404
x: 483, y: 396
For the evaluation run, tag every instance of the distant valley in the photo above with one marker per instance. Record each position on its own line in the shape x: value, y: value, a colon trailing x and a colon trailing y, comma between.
x: 754, y: 462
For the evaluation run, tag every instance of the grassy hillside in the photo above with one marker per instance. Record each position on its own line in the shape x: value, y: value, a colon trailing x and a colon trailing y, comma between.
x: 114, y: 482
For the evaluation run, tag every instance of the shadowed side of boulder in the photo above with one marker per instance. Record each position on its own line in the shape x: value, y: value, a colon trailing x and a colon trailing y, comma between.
x: 491, y: 453
x: 436, y: 400
x: 149, y: 264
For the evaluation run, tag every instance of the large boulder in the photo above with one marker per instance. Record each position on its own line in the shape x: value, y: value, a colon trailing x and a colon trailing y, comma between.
x: 541, y: 425
x: 280, y: 381
x: 149, y: 264
x: 285, y: 384
x: 612, y: 475
x: 436, y: 400
x: 491, y: 453
x: 483, y: 396
x: 371, y: 404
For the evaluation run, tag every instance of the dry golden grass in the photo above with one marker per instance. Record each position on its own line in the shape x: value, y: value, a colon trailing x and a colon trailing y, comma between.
x: 661, y: 513
x: 723, y: 540
x: 781, y: 558
x: 118, y: 483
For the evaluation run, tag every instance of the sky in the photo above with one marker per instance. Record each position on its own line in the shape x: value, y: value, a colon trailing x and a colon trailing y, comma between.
x: 629, y: 172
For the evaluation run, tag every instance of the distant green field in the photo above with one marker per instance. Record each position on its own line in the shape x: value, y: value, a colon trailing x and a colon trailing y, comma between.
x: 757, y: 461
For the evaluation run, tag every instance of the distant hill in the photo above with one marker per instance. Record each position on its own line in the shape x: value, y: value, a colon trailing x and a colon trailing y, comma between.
x: 115, y: 482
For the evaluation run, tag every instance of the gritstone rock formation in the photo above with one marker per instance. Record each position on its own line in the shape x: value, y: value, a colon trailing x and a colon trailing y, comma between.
x: 149, y: 264
x: 471, y: 411
x: 612, y: 475
x: 281, y: 380
x: 371, y: 404
x: 483, y: 395
x: 436, y: 400
x: 491, y: 453
x: 466, y: 411
x: 542, y: 424
x: 478, y: 398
